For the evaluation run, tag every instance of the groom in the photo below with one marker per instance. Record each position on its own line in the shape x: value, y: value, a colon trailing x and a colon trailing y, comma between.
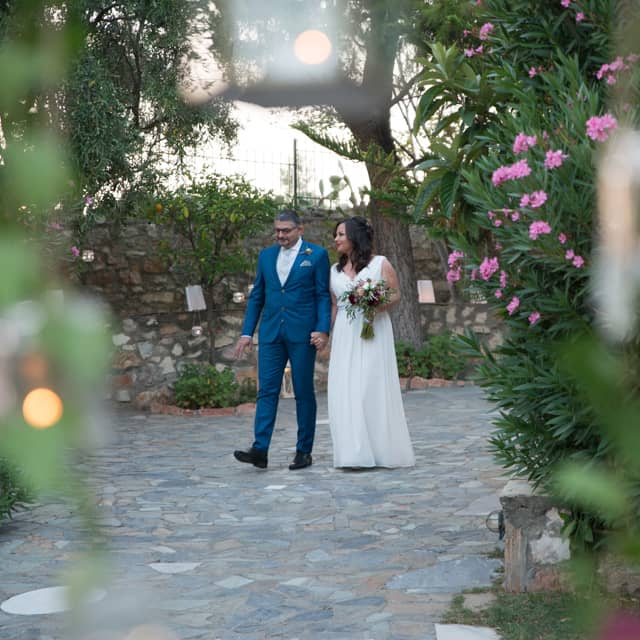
x: 291, y: 292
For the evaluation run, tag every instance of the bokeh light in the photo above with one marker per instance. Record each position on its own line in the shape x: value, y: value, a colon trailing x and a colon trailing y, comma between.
x: 312, y: 47
x: 42, y: 408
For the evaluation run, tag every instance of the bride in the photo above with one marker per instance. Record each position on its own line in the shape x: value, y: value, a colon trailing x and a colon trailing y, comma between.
x: 366, y: 416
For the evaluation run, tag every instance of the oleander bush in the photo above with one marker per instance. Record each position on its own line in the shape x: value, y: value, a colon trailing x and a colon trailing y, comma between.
x: 526, y: 187
x: 201, y: 386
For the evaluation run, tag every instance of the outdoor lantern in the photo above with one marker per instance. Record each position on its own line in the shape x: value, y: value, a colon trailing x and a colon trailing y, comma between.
x: 195, y: 303
x: 617, y: 273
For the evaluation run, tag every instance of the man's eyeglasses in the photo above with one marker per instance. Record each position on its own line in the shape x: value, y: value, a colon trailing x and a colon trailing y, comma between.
x: 284, y: 230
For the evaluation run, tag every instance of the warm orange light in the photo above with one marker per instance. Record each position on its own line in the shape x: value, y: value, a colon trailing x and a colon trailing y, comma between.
x: 312, y: 47
x: 42, y: 408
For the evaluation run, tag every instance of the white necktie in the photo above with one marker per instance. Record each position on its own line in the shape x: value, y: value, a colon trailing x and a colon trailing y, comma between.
x: 284, y: 263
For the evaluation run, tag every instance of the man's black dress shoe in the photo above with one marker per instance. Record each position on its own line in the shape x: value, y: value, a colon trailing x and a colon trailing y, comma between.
x: 253, y: 456
x: 301, y: 461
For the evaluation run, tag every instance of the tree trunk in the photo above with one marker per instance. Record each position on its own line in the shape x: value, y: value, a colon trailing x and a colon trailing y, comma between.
x: 212, y: 322
x: 372, y: 131
x: 392, y: 240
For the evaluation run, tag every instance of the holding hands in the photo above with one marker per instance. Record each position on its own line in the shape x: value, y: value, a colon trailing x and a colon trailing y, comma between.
x: 244, y: 345
x: 319, y: 340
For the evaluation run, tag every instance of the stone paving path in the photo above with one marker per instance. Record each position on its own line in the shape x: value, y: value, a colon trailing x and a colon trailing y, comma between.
x: 213, y: 549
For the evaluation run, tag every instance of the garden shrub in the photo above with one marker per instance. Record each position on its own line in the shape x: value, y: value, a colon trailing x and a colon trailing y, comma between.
x: 204, y: 386
x: 13, y: 489
x: 439, y: 357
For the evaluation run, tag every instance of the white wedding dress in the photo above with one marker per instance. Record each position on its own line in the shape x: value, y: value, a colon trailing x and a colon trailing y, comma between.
x: 366, y: 416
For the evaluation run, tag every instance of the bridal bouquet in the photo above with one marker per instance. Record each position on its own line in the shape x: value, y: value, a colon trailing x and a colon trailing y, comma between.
x: 366, y: 296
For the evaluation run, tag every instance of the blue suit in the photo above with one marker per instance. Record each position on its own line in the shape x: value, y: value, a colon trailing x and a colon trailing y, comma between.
x: 288, y: 313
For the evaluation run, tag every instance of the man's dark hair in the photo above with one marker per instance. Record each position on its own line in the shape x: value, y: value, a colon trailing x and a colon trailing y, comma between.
x: 289, y: 215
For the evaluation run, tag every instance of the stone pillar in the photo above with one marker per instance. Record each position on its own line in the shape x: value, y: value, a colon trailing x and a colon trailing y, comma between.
x: 534, y: 546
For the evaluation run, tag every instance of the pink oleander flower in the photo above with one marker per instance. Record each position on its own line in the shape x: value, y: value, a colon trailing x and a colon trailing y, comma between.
x: 513, y: 305
x: 597, y: 126
x: 453, y: 275
x: 538, y: 228
x: 488, y: 267
x: 485, y: 31
x: 538, y: 198
x: 503, y: 279
x: 554, y: 159
x: 534, y: 317
x: 75, y: 251
x: 469, y: 53
x: 454, y: 257
x: 490, y: 215
x: 525, y: 200
x: 520, y: 169
x: 565, y: 3
x: 479, y: 49
x: 466, y: 32
x: 562, y: 238
x: 474, y: 274
x: 523, y: 143
x: 569, y: 254
x: 579, y: 16
x: 533, y: 72
x: 515, y: 216
x: 498, y: 293
x: 621, y: 625
x: 578, y: 262
x: 497, y: 222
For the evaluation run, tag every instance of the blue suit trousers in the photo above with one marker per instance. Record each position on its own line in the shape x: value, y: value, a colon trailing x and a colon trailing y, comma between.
x: 272, y: 360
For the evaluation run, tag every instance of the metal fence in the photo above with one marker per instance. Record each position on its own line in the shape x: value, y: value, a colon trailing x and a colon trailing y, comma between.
x: 300, y: 174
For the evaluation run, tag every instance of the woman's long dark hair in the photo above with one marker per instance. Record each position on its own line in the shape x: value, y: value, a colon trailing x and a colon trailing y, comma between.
x: 360, y: 233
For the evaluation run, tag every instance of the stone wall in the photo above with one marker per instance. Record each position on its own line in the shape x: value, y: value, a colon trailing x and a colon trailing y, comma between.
x: 152, y: 331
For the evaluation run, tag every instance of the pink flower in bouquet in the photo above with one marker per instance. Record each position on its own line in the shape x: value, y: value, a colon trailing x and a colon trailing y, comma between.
x: 364, y: 297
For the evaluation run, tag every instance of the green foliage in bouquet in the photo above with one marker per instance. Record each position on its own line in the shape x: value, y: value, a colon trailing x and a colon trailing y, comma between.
x: 201, y: 386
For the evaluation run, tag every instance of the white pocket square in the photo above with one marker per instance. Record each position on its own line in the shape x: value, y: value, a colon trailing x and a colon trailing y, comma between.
x: 306, y: 263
